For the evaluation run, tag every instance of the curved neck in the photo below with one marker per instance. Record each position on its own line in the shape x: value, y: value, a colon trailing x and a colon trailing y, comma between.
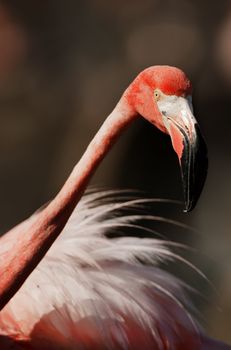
x: 30, y: 241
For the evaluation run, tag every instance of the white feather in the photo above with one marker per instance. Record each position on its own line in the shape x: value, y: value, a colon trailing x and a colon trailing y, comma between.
x: 87, y: 277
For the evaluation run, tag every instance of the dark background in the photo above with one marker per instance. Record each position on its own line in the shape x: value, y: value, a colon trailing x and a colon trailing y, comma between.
x: 63, y: 67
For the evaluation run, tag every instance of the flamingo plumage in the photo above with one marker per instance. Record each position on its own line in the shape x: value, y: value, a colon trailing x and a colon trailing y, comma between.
x: 81, y: 290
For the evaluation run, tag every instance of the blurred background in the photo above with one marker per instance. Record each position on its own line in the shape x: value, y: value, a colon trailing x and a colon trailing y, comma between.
x: 63, y: 67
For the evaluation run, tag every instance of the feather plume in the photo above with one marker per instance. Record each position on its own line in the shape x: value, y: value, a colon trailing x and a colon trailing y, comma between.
x: 90, y: 290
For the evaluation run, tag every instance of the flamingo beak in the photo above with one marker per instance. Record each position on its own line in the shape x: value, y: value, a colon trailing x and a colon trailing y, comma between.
x: 189, y: 145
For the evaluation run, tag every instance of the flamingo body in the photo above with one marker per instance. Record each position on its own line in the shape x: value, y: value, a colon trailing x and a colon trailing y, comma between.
x: 90, y: 292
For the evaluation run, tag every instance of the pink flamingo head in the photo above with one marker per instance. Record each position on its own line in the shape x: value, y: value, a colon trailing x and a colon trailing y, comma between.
x: 163, y: 96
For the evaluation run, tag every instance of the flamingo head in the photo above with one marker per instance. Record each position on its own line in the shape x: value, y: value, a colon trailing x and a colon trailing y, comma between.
x: 163, y: 96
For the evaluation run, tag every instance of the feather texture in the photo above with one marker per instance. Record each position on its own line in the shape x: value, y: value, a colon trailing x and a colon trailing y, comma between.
x: 92, y: 292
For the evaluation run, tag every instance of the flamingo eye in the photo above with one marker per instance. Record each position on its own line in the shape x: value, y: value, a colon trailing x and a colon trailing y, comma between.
x: 157, y: 95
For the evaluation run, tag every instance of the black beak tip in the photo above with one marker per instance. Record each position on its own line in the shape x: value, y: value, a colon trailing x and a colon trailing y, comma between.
x: 188, y: 208
x: 194, y: 167
x: 190, y: 205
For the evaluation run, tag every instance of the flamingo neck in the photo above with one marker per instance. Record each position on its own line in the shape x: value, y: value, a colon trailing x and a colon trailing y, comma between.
x: 33, y: 238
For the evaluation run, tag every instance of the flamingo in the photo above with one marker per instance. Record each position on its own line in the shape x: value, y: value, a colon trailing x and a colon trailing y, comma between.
x: 81, y: 290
